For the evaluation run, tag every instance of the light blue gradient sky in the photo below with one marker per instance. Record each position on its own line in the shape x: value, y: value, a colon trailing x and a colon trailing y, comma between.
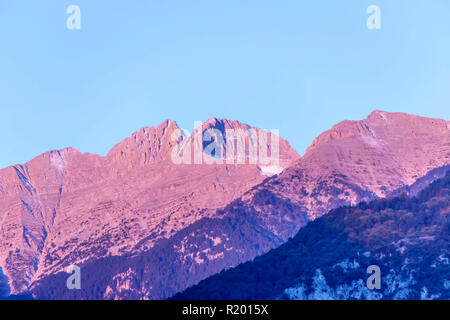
x: 299, y: 66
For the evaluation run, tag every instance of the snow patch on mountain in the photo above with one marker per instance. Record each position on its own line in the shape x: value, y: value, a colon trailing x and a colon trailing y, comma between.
x: 269, y: 171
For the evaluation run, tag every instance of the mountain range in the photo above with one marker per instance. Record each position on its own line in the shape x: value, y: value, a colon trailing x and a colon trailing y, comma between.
x: 142, y: 226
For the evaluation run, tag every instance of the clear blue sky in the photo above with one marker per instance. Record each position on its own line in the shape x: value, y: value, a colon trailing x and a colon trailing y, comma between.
x: 297, y: 66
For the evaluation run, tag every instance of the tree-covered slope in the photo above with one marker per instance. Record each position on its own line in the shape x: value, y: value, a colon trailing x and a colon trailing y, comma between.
x: 408, y: 238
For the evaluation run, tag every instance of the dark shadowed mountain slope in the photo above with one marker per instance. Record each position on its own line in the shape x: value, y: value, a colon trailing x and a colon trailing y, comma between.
x: 408, y: 238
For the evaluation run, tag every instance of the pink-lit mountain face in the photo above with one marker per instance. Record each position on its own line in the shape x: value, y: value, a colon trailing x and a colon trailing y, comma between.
x: 161, y: 227
x: 379, y: 154
x: 65, y: 207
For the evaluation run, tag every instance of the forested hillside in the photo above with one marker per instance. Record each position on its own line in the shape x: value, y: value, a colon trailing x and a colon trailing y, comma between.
x: 408, y: 238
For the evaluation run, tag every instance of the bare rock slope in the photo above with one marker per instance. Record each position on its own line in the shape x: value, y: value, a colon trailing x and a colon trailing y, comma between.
x: 141, y: 227
x: 65, y: 207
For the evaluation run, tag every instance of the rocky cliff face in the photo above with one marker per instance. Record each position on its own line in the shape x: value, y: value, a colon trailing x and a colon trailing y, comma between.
x: 358, y: 160
x: 141, y: 227
x: 65, y: 207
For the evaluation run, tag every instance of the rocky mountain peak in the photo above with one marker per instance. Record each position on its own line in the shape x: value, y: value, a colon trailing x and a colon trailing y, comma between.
x: 145, y: 146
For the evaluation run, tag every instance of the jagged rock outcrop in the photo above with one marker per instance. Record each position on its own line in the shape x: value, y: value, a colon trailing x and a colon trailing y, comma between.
x: 65, y: 207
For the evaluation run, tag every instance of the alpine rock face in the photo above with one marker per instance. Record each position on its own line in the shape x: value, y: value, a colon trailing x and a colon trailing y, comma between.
x: 141, y: 227
x: 65, y: 208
